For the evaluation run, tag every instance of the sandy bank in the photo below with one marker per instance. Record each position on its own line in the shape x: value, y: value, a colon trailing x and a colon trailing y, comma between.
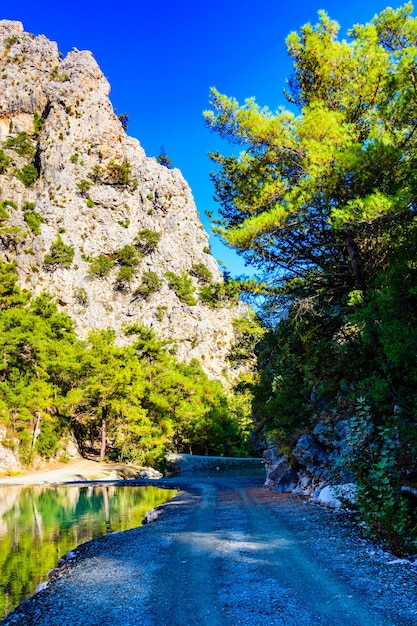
x: 77, y: 470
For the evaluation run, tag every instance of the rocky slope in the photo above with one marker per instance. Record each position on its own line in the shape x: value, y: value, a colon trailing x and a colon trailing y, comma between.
x: 70, y: 176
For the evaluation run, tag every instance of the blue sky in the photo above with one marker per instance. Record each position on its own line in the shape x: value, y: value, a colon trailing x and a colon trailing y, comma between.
x: 161, y: 58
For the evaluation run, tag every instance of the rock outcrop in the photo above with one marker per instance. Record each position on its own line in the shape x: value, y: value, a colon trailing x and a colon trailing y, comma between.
x: 314, y: 468
x: 76, y: 189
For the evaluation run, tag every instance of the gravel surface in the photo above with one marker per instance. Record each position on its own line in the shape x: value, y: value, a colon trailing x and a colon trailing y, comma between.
x: 229, y: 552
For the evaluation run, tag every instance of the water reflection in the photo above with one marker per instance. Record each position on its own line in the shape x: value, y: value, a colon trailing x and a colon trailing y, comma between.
x: 38, y: 525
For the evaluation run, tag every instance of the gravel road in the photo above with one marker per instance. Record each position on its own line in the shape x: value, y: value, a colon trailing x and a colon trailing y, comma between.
x: 229, y: 552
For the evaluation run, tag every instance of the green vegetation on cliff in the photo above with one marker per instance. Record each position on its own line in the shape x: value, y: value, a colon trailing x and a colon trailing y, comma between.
x: 132, y: 403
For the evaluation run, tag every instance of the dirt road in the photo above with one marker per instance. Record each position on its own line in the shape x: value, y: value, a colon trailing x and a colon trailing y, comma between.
x: 228, y: 552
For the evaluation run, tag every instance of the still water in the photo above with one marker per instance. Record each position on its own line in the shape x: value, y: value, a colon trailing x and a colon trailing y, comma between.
x: 38, y: 525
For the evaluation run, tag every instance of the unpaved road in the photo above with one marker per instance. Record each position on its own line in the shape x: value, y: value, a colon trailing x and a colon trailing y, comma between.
x: 229, y: 552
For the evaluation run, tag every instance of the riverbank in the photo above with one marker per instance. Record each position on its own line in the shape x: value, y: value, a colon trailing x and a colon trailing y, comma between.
x: 77, y: 470
x: 229, y: 551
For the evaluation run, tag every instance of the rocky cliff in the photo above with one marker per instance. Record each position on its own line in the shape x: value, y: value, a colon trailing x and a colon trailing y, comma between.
x: 88, y: 217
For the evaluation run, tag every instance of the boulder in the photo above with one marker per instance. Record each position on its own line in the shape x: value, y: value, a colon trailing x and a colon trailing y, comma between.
x: 8, y: 459
x: 281, y: 475
x: 335, y: 496
x: 310, y: 453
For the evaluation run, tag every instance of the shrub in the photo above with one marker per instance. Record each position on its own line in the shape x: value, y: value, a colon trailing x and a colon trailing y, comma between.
x: 371, y: 455
x: 101, y: 266
x: 163, y: 159
x: 56, y: 75
x: 80, y: 295
x: 183, y: 286
x: 10, y: 41
x: 60, y: 253
x: 218, y: 294
x: 33, y: 220
x: 147, y: 240
x: 22, y: 144
x: 124, y: 118
x: 4, y: 215
x: 119, y: 173
x: 84, y: 186
x: 211, y: 295
x: 96, y: 173
x: 27, y: 175
x: 126, y: 274
x: 201, y: 272
x: 149, y: 285
x: 4, y: 161
x: 129, y: 255
x: 38, y: 124
x: 160, y: 312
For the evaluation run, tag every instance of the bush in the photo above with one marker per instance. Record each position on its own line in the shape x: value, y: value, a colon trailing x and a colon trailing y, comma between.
x: 80, y: 295
x: 218, y: 294
x: 27, y: 175
x: 22, y: 144
x: 126, y: 274
x: 128, y: 255
x: 4, y: 215
x: 33, y: 220
x: 183, y: 286
x: 84, y: 186
x: 149, y: 285
x: 371, y: 455
x: 60, y: 254
x: 147, y: 240
x: 56, y: 75
x: 163, y: 159
x: 47, y: 443
x: 101, y: 266
x: 38, y: 124
x: 119, y: 173
x: 4, y: 161
x: 10, y: 41
x: 96, y: 173
x: 201, y: 272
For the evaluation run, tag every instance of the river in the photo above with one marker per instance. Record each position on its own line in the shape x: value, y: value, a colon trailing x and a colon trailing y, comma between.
x: 40, y: 524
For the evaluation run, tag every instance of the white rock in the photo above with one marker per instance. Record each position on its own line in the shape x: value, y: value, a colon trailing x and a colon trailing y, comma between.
x: 332, y: 496
x: 82, y: 132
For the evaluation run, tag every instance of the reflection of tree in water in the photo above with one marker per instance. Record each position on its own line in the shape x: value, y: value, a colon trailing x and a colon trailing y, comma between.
x: 40, y: 524
x: 106, y: 508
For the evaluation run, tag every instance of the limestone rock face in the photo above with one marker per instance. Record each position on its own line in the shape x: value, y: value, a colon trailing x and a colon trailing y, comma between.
x: 94, y: 188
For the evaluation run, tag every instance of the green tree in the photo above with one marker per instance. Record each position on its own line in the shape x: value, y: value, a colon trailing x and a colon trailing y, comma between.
x: 308, y: 192
x: 322, y: 201
x: 163, y: 159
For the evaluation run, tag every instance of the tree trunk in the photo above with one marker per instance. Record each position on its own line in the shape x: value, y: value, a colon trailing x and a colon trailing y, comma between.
x: 36, y: 430
x: 355, y: 262
x: 360, y: 283
x: 103, y: 434
x: 3, y: 376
